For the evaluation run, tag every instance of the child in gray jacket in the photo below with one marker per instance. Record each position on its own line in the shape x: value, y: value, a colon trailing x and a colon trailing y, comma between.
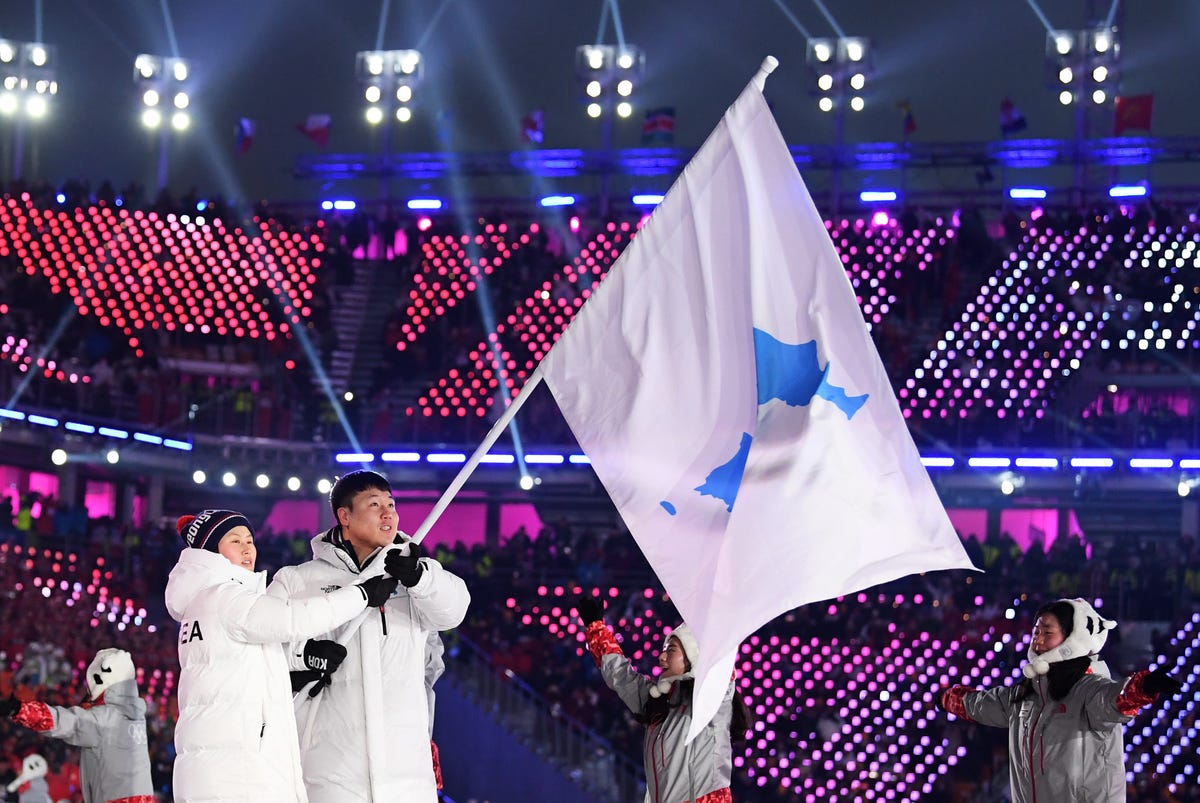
x: 676, y: 772
x: 1065, y: 718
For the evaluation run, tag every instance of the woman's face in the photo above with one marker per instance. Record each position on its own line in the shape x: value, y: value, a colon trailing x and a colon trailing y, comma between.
x: 672, y: 660
x: 1047, y: 633
x: 237, y: 546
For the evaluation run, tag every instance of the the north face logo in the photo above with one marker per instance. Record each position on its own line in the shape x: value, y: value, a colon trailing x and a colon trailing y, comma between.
x: 329, y: 589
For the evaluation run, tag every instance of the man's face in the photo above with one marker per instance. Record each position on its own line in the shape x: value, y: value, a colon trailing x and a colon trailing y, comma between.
x: 370, y: 520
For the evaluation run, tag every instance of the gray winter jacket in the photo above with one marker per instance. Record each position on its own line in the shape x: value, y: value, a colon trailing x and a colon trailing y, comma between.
x: 113, y: 763
x: 675, y: 772
x: 1060, y: 751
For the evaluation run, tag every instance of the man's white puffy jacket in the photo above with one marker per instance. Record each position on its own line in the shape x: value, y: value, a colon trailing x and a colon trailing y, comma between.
x: 366, y: 736
x: 236, y: 738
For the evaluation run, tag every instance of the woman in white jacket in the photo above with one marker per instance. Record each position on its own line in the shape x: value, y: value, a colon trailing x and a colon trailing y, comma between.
x: 236, y: 737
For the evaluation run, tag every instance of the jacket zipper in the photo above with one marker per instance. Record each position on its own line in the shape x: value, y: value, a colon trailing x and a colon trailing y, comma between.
x: 1032, y: 733
x: 383, y: 618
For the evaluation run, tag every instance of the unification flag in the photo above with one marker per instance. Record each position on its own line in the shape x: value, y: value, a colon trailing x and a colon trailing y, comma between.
x: 245, y: 134
x: 659, y: 126
x: 1132, y: 111
x: 723, y: 383
x: 909, y: 122
x: 316, y: 128
x: 1011, y: 119
x: 532, y: 129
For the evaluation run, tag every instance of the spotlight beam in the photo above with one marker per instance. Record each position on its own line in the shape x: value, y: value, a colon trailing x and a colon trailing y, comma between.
x: 437, y: 15
x: 1112, y: 14
x: 37, y: 20
x: 314, y: 361
x: 836, y: 28
x: 792, y: 19
x: 617, y: 26
x: 603, y: 22
x: 1040, y: 15
x: 170, y: 26
x: 384, y: 8
x: 68, y: 315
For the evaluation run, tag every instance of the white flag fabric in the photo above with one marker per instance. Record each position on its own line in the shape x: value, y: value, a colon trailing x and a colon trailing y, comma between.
x: 723, y: 383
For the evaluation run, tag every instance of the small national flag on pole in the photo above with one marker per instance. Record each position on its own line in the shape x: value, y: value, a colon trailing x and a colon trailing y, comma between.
x: 245, y: 134
x: 532, y: 127
x: 659, y: 126
x: 316, y: 128
x: 1132, y: 111
x: 724, y: 385
x: 1011, y: 118
x: 909, y: 122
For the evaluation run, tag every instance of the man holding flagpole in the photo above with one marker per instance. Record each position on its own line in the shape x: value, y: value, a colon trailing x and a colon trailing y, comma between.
x: 365, y: 730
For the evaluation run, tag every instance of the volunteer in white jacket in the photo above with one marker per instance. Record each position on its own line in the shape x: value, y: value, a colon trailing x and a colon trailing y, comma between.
x: 236, y: 737
x: 366, y: 736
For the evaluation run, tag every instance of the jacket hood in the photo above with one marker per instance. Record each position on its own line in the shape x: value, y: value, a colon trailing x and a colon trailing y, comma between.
x: 199, y: 570
x: 123, y: 696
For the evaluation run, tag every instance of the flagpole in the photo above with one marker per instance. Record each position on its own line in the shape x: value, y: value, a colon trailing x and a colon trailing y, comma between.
x: 468, y: 468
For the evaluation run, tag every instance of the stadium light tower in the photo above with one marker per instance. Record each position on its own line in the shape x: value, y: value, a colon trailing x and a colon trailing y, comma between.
x: 609, y: 74
x: 1083, y: 66
x: 27, y: 78
x: 388, y: 79
x: 840, y: 68
x: 163, y: 82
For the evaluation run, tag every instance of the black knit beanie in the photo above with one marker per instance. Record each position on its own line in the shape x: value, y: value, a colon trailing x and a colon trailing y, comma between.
x: 204, y: 531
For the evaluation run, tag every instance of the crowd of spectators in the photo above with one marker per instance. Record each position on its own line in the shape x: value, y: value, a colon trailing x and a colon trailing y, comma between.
x: 191, y: 384
x: 44, y: 643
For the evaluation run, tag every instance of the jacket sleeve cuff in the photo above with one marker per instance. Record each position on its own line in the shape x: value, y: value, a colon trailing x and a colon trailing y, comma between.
x: 35, y: 716
x: 601, y: 641
x: 953, y: 701
x: 1134, y: 695
x: 424, y: 586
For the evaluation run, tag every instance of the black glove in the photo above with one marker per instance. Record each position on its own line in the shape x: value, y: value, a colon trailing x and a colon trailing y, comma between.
x: 323, y: 655
x: 377, y: 590
x: 405, y: 568
x: 9, y: 706
x: 590, y: 609
x: 1159, y: 682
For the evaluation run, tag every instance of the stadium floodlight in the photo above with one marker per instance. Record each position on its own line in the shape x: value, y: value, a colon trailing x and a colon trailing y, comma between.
x: 388, y: 79
x: 162, y: 83
x: 1083, y: 64
x: 609, y: 74
x: 27, y: 83
x: 842, y: 69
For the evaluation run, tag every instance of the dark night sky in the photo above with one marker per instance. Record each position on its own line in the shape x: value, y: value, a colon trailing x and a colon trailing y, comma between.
x: 488, y: 62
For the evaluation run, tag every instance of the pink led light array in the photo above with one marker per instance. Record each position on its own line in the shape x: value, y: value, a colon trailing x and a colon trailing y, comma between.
x: 1169, y: 320
x: 876, y: 255
x: 140, y: 270
x: 531, y: 329
x: 1163, y: 738
x: 448, y: 275
x: 1020, y: 335
x: 20, y: 352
